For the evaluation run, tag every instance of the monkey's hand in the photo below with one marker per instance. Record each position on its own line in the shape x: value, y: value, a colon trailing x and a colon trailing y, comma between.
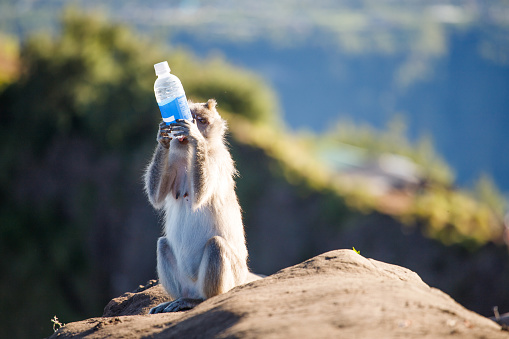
x: 163, y: 135
x: 185, y: 129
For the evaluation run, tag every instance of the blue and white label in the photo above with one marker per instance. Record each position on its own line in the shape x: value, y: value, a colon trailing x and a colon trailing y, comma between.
x: 175, y: 109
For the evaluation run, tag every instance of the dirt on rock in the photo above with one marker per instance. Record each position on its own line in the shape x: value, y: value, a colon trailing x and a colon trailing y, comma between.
x: 336, y: 294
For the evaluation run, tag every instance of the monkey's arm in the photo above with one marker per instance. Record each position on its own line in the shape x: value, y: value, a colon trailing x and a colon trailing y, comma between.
x: 202, y: 171
x: 156, y: 175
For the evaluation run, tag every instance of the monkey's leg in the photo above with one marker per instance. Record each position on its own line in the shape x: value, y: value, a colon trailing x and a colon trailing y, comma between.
x: 166, y: 266
x: 220, y: 268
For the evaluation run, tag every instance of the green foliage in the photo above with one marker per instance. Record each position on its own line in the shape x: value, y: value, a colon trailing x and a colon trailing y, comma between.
x: 419, y: 32
x: 98, y: 78
x: 94, y: 78
x: 393, y: 139
x: 487, y: 192
x: 9, y: 55
x: 455, y: 217
x: 450, y: 215
x: 75, y: 130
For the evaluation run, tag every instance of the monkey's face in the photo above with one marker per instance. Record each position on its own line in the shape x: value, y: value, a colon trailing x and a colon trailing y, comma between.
x: 207, y: 118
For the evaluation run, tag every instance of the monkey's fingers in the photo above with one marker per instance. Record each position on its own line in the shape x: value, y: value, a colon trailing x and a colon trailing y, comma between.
x: 159, y: 308
x: 182, y: 304
x: 180, y: 122
x: 180, y: 130
x: 165, y: 128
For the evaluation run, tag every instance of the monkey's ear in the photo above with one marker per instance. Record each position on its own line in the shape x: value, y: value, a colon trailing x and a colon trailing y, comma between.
x: 211, y: 104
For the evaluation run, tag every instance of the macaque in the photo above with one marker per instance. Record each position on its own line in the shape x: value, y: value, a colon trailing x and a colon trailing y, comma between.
x: 191, y: 177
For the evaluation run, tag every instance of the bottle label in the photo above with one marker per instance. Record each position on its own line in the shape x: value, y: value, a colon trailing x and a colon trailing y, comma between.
x: 175, y: 109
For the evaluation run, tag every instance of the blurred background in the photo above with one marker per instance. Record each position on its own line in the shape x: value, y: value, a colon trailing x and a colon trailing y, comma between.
x: 379, y: 125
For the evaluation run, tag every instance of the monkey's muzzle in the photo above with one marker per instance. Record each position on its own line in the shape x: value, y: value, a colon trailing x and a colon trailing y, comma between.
x: 182, y: 139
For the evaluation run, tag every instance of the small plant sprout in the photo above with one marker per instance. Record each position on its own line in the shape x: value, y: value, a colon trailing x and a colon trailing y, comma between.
x: 56, y: 324
x: 358, y: 252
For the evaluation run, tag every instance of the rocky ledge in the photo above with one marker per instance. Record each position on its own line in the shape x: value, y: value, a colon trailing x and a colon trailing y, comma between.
x: 339, y: 294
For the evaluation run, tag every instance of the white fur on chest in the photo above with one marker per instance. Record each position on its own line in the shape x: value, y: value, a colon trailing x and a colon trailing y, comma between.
x: 188, y: 231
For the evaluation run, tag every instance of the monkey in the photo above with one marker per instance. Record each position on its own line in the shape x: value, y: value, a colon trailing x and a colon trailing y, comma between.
x: 191, y: 175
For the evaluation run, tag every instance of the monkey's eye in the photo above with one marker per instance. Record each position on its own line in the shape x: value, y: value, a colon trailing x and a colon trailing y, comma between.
x: 201, y: 120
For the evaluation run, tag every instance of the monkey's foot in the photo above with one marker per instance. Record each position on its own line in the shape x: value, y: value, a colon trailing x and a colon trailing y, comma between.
x: 180, y: 304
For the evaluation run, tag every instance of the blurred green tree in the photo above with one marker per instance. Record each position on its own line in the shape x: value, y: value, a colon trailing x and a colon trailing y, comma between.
x: 75, y: 130
x: 9, y: 57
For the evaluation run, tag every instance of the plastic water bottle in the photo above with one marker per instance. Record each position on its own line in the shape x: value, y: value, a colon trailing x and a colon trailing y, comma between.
x: 170, y: 95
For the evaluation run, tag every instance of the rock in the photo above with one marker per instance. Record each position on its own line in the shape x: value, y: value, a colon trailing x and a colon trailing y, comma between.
x: 137, y: 302
x: 336, y: 294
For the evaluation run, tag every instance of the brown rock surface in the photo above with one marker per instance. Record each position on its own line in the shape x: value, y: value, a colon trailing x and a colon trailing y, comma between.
x: 336, y: 294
